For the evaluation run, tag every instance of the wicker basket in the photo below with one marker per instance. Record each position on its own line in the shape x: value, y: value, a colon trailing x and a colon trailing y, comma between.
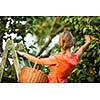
x: 32, y: 75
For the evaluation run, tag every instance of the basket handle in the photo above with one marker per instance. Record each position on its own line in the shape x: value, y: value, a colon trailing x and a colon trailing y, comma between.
x: 34, y: 67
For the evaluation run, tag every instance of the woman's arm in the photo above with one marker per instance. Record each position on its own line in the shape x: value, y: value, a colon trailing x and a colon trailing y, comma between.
x: 83, y: 48
x: 44, y: 61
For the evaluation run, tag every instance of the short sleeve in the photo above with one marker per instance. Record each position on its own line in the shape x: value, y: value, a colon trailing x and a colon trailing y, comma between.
x: 74, y: 59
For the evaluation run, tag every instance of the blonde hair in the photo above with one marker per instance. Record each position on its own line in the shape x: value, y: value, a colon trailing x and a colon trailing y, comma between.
x: 65, y: 40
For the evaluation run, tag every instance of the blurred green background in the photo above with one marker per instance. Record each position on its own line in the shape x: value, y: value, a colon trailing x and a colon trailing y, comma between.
x: 38, y: 35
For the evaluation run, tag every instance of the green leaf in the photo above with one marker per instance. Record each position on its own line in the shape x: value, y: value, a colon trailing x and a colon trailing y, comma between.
x: 90, y: 79
x: 84, y: 30
x: 97, y: 59
x: 44, y: 69
x: 76, y: 26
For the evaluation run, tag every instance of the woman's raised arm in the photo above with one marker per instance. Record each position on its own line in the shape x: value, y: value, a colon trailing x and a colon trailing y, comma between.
x: 83, y: 48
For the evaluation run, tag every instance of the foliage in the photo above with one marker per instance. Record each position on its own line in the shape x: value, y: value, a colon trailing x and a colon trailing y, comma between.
x: 44, y: 29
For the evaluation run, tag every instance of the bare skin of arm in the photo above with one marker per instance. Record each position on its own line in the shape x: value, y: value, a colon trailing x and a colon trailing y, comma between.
x: 83, y: 48
x: 43, y: 61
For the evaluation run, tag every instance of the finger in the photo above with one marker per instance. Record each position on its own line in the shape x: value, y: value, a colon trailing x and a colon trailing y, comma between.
x: 20, y: 53
x: 92, y: 37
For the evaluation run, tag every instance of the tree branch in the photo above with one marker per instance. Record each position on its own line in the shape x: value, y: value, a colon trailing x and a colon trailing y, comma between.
x: 53, y: 25
x: 51, y: 36
x: 47, y: 54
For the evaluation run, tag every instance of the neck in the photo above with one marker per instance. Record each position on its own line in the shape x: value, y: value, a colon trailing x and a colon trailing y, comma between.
x: 67, y: 52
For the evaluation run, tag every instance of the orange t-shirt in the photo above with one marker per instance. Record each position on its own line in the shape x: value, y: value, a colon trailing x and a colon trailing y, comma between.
x: 63, y: 69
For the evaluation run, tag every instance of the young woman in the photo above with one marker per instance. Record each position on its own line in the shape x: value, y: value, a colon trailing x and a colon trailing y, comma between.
x: 62, y: 64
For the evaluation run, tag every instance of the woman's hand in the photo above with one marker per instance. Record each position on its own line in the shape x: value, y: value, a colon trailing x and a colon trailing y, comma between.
x: 87, y: 38
x: 83, y: 48
x: 92, y: 37
x: 20, y: 53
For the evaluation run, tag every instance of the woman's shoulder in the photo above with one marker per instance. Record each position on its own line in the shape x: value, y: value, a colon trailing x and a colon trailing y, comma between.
x: 74, y: 55
x: 57, y: 55
x: 73, y: 59
x: 60, y: 55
